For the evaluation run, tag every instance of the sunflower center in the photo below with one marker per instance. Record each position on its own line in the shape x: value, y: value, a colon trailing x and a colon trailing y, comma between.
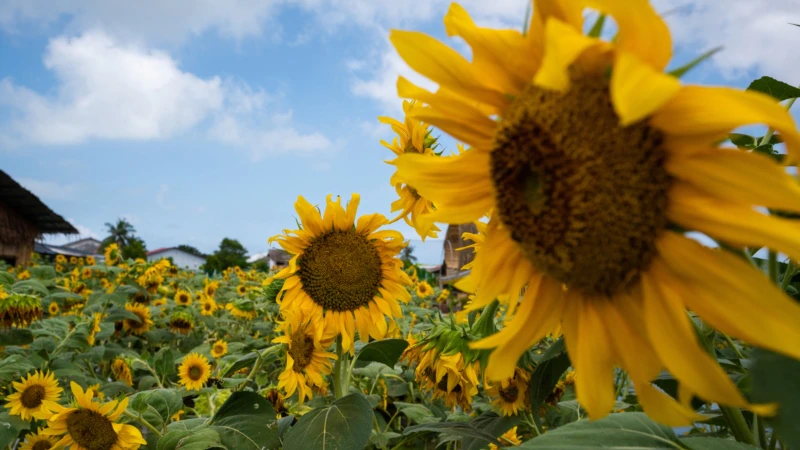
x: 584, y: 198
x: 341, y: 271
x: 32, y: 396
x: 195, y: 373
x: 218, y: 349
x: 510, y: 394
x: 91, y: 430
x: 42, y: 445
x: 302, y: 350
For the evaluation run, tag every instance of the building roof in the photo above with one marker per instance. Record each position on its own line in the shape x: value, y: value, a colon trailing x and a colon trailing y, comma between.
x: 49, y: 249
x: 166, y: 249
x: 80, y: 241
x: 27, y: 205
x: 257, y: 257
x: 278, y: 255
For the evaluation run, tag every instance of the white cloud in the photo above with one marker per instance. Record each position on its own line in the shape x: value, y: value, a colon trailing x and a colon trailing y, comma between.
x: 755, y: 34
x: 49, y: 190
x: 83, y: 232
x: 109, y: 91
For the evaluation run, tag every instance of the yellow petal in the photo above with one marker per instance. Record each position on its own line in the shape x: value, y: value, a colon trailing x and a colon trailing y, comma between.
x: 735, y: 223
x: 664, y: 408
x: 445, y: 66
x: 629, y: 338
x: 637, y: 89
x: 309, y: 216
x: 738, y: 176
x: 477, y: 132
x: 642, y: 32
x: 733, y: 296
x: 703, y: 111
x: 563, y: 45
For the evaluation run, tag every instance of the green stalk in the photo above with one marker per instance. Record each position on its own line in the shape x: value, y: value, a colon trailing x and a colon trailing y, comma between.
x: 144, y: 423
x: 772, y: 261
x: 762, y: 432
x: 341, y: 372
x: 791, y: 268
x: 737, y: 424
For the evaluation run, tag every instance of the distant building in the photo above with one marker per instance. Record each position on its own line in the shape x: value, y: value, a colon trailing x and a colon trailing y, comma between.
x: 54, y: 250
x: 180, y: 258
x: 23, y: 219
x: 90, y: 246
x: 455, y: 259
x: 275, y: 258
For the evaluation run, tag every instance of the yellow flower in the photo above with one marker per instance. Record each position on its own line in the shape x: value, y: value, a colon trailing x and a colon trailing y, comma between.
x: 509, y: 439
x: 143, y: 313
x: 37, y: 441
x: 241, y: 289
x: 219, y: 349
x: 343, y: 272
x: 86, y: 273
x: 210, y: 288
x: 122, y: 371
x: 24, y: 275
x: 92, y: 425
x: 510, y: 395
x: 183, y: 298
x: 90, y: 260
x: 443, y: 296
x: 414, y: 137
x: 96, y: 388
x: 194, y: 371
x: 181, y: 322
x: 424, y: 290
x: 306, y: 359
x: 95, y: 327
x: 590, y: 177
x: 241, y: 313
x: 449, y: 377
x: 34, y: 396
x: 208, y: 306
x: 52, y: 309
x: 160, y: 302
x: 61, y: 259
x: 112, y: 254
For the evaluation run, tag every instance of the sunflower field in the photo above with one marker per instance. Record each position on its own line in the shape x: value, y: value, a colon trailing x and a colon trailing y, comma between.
x: 634, y: 283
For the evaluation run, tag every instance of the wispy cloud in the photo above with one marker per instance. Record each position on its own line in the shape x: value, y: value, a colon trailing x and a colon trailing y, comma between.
x: 49, y: 190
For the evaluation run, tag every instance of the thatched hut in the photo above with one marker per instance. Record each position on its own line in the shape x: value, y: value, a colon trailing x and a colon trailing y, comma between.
x: 23, y: 218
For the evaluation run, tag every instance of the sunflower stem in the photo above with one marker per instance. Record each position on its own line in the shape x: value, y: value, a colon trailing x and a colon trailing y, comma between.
x: 341, y: 374
x: 138, y: 418
x: 762, y: 432
x: 737, y: 424
x: 791, y: 268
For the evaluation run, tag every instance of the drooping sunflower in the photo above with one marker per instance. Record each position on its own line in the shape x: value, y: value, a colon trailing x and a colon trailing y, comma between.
x: 219, y: 349
x: 92, y: 425
x: 414, y: 137
x: 181, y: 322
x: 37, y: 441
x: 510, y: 396
x: 112, y: 255
x: 143, y: 313
x: 210, y: 288
x: 343, y: 272
x: 208, y: 306
x: 449, y: 377
x: 590, y: 177
x: 424, y: 290
x: 307, y: 362
x: 122, y: 371
x: 242, y: 311
x: 194, y: 371
x: 183, y: 298
x: 19, y: 310
x: 34, y: 396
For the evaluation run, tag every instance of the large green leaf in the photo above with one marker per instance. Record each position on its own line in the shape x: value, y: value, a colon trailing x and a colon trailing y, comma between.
x: 200, y: 438
x: 707, y: 443
x: 157, y: 406
x: 774, y: 379
x: 617, y: 431
x: 246, y: 421
x: 344, y: 425
x: 245, y: 361
x: 10, y: 426
x: 28, y: 286
x: 387, y: 352
x: 458, y: 429
x: 43, y: 272
x: 492, y: 424
x: 772, y: 87
x: 544, y: 379
x: 15, y: 336
x: 417, y: 413
x: 164, y: 361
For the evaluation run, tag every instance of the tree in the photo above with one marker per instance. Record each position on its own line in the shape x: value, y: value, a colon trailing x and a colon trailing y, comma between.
x: 192, y: 250
x: 135, y: 248
x: 230, y: 253
x: 120, y: 232
x: 406, y: 255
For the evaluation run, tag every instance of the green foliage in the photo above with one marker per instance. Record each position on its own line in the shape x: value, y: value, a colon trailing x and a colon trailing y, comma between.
x: 343, y: 425
x: 231, y: 253
x: 774, y: 88
x: 386, y: 352
x: 247, y: 421
x: 775, y: 379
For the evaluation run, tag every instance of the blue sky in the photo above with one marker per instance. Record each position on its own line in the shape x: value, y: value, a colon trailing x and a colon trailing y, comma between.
x: 203, y: 120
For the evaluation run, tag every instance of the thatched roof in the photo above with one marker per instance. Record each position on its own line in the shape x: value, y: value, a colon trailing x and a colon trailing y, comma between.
x: 279, y: 256
x: 21, y: 201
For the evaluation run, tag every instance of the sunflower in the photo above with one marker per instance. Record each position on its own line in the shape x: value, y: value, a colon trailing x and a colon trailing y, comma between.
x: 34, y: 396
x: 208, y: 306
x: 414, y: 137
x: 144, y: 323
x: 508, y: 439
x: 92, y: 425
x: 24, y: 275
x: 181, y: 322
x: 447, y: 376
x: 112, y: 255
x: 86, y: 273
x: 61, y: 259
x: 592, y: 179
x: 306, y: 358
x: 443, y: 295
x: 241, y: 289
x: 19, y: 310
x: 183, y: 298
x: 219, y: 349
x: 122, y: 371
x: 510, y: 396
x: 94, y: 328
x: 343, y: 272
x: 160, y: 301
x: 194, y: 371
x: 53, y: 309
x: 37, y: 441
x: 210, y: 288
x: 90, y: 260
x: 424, y: 290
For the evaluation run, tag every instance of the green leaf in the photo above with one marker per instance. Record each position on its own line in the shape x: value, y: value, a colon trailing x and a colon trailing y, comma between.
x: 30, y: 286
x: 777, y: 89
x: 199, y: 438
x: 6, y: 279
x: 774, y: 379
x: 386, y: 352
x: 461, y: 429
x: 417, y: 413
x: 742, y: 140
x: 43, y: 272
x: 619, y: 431
x: 245, y: 361
x: 118, y: 315
x: 63, y: 295
x: 164, y: 361
x: 13, y: 368
x: 708, y: 443
x: 546, y: 375
x: 161, y: 405
x: 681, y: 71
x: 492, y: 424
x: 344, y: 425
x: 246, y: 420
x: 15, y: 336
x: 10, y: 426
x: 597, y: 28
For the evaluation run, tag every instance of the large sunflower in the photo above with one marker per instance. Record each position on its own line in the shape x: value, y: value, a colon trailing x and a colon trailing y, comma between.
x: 37, y: 441
x: 414, y: 137
x: 592, y: 160
x: 34, y: 395
x: 143, y: 313
x: 306, y: 359
x: 343, y: 272
x: 194, y: 371
x: 92, y: 425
